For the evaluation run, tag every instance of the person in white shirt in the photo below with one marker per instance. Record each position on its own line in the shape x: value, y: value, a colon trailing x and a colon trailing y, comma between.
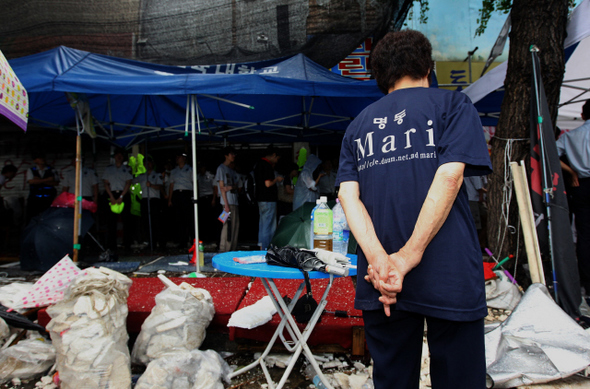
x: 326, y: 183
x: 8, y: 173
x: 180, y: 198
x: 227, y: 186
x: 117, y: 181
x: 42, y: 180
x: 207, y: 189
x: 575, y: 145
x: 151, y: 204
x: 10, y: 209
x: 89, y: 182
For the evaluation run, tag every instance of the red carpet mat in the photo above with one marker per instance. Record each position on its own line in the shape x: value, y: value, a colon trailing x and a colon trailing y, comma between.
x: 330, y: 330
x: 227, y: 292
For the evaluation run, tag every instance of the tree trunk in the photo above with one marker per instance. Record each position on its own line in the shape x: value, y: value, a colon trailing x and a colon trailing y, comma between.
x: 541, y: 23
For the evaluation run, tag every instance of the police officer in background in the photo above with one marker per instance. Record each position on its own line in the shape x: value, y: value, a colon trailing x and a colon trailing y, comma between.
x: 117, y: 181
x: 42, y: 180
x: 207, y: 201
x: 180, y: 198
x: 89, y: 182
x: 151, y: 204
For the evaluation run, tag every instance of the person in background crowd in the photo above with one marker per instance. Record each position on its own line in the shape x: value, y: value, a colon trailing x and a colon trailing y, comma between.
x: 89, y: 192
x: 117, y: 180
x: 151, y: 204
x: 180, y: 198
x: 286, y: 190
x: 227, y: 187
x: 6, y: 211
x: 306, y: 188
x: 575, y: 145
x: 89, y: 182
x: 42, y: 180
x: 167, y: 213
x: 8, y: 173
x: 327, y: 180
x: 168, y: 166
x: 419, y: 254
x: 267, y: 195
x: 207, y: 201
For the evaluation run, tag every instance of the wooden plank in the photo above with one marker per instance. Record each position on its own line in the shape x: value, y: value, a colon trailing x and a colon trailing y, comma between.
x: 358, y: 341
x: 528, y: 223
x: 534, y: 226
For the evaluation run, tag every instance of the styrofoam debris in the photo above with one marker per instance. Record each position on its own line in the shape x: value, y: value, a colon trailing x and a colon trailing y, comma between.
x: 356, y: 381
x: 359, y: 366
x: 333, y: 364
x: 278, y: 360
x: 342, y: 380
x: 46, y: 382
x: 320, y: 358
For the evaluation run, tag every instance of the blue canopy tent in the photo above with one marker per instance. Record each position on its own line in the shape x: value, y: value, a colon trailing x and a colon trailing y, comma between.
x: 292, y: 100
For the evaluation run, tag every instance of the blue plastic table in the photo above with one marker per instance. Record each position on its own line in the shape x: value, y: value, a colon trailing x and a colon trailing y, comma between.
x: 298, y: 342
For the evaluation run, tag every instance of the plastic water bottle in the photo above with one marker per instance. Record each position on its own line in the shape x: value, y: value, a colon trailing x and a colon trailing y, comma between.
x: 368, y: 385
x: 341, y: 230
x: 323, y: 220
x: 318, y: 383
x: 310, y: 246
x: 310, y: 373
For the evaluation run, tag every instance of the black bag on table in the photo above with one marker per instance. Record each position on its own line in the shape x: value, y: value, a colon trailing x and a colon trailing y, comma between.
x: 288, y: 256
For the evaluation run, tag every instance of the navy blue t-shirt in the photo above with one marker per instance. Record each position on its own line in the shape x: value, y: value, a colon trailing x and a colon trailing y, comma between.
x: 393, y: 150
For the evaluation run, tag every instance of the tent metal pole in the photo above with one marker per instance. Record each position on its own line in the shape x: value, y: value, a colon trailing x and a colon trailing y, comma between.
x: 547, y: 187
x: 78, y: 182
x: 110, y: 116
x: 188, y: 108
x: 149, y: 205
x: 195, y: 182
x: 227, y: 101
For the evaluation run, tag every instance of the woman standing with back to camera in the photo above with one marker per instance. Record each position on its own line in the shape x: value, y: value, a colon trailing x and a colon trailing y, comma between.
x: 402, y: 165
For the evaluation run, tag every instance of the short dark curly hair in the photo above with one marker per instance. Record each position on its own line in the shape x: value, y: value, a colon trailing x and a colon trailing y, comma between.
x: 399, y: 54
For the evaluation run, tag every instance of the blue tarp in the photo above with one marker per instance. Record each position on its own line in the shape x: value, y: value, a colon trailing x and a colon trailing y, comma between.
x: 293, y: 100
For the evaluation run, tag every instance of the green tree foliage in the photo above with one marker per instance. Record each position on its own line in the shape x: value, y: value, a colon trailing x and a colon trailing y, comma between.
x: 488, y: 7
x: 423, y: 16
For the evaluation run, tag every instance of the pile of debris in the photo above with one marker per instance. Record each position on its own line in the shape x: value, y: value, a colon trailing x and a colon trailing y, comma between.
x: 88, y: 345
x: 85, y: 345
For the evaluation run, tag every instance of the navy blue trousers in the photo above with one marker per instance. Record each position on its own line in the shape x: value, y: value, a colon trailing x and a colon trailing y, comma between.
x: 457, y: 351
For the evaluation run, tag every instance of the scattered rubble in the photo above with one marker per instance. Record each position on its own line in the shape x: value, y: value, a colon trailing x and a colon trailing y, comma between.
x: 496, y: 315
x: 342, y: 372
